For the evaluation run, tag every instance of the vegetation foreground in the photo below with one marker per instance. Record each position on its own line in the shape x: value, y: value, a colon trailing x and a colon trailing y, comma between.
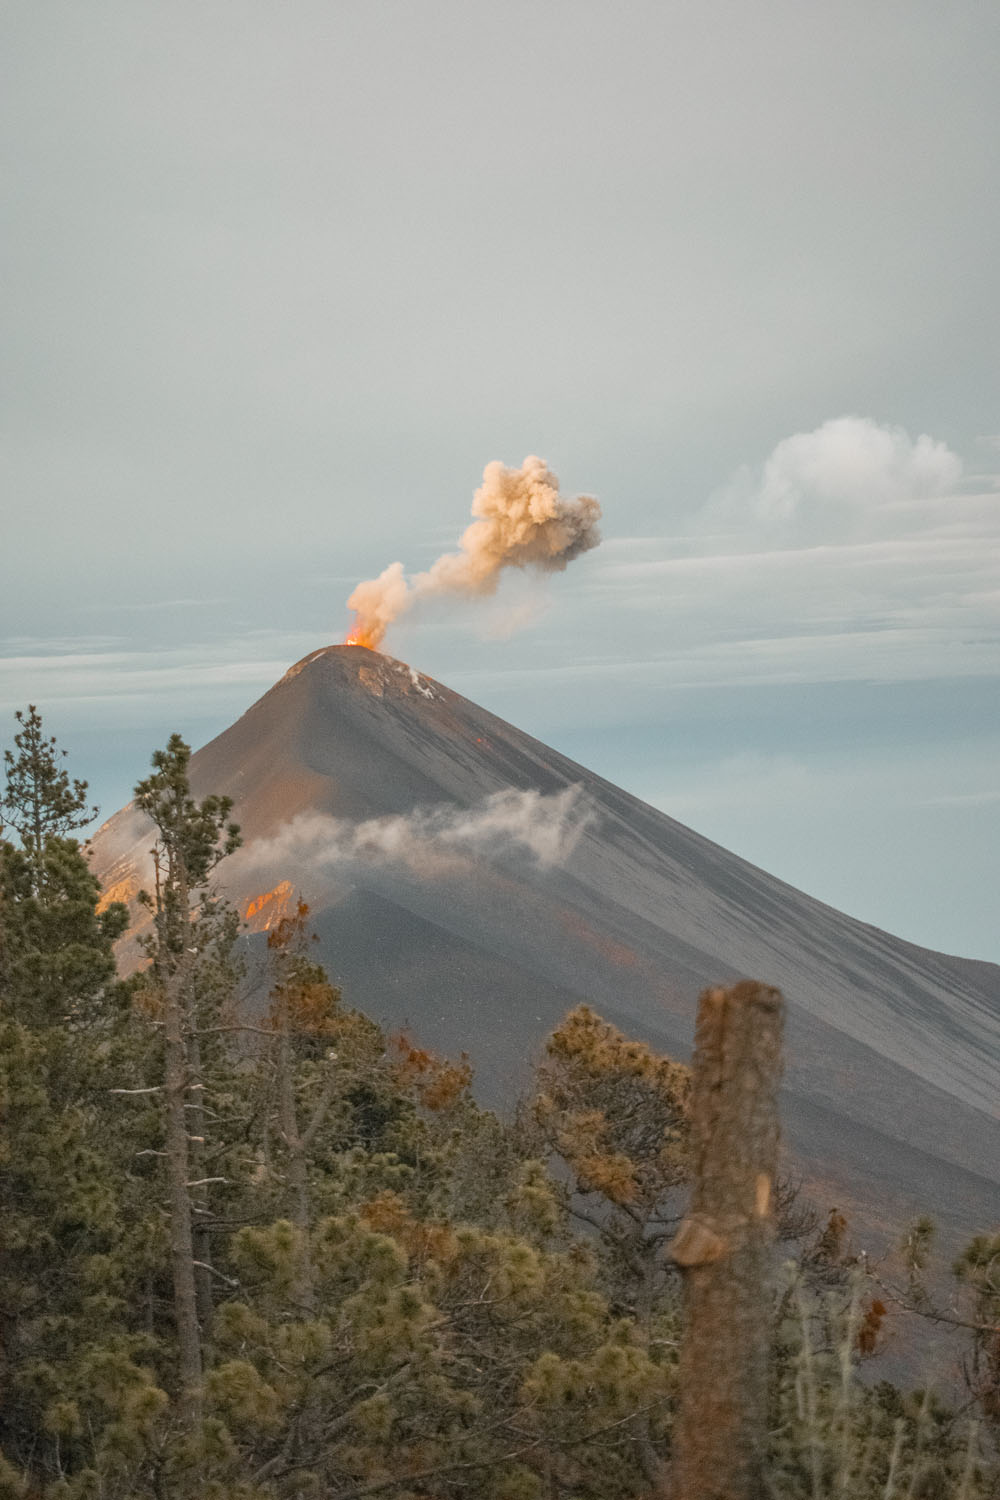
x: 256, y: 1249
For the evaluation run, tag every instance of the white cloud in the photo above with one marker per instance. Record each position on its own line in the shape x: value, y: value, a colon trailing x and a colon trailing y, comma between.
x: 853, y: 552
x: 847, y: 475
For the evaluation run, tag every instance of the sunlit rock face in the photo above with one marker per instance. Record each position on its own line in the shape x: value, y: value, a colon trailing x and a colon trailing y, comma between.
x: 473, y: 884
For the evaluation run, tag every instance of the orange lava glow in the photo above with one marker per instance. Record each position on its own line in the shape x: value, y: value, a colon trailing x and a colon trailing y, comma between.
x: 261, y: 912
x: 125, y: 890
x: 358, y: 636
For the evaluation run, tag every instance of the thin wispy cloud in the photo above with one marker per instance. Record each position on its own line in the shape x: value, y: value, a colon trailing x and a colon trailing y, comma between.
x: 51, y: 674
x: 150, y: 606
x: 851, y: 551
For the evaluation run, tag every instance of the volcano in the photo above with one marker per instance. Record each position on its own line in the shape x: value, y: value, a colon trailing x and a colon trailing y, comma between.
x: 472, y: 885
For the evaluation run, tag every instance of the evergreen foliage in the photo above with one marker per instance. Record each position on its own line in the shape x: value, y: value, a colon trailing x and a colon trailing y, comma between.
x: 68, y: 1351
x: 39, y: 798
x: 260, y: 1251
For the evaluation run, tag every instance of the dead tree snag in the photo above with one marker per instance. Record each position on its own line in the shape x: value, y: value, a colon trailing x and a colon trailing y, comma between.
x: 723, y: 1246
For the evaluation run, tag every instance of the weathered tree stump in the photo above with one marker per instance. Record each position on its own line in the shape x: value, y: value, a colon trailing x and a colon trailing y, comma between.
x: 723, y: 1247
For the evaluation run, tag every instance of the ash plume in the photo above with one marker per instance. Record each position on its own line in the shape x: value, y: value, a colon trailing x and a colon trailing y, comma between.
x: 521, y: 521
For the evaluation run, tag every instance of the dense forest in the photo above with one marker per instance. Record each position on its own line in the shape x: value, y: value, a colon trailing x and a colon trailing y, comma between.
x: 254, y: 1248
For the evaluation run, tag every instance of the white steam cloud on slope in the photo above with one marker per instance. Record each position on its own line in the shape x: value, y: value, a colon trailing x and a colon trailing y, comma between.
x: 522, y: 521
x: 432, y: 840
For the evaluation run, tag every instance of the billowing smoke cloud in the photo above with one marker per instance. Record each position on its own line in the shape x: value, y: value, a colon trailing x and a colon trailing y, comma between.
x: 522, y: 521
x: 545, y: 828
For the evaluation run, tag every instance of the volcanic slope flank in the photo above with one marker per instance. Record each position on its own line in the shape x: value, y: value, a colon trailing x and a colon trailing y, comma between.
x: 533, y: 885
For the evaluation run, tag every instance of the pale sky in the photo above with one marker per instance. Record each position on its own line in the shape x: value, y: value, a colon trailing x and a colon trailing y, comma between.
x: 277, y: 280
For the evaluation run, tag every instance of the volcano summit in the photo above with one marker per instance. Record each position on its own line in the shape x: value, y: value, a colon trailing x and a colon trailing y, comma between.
x: 472, y: 884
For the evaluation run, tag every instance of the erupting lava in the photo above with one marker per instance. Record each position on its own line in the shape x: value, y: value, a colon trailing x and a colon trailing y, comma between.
x: 358, y: 636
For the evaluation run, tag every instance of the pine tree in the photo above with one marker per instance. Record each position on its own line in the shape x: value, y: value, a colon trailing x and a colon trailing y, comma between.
x: 613, y: 1114
x: 64, y: 1285
x: 977, y: 1271
x: 365, y: 1284
x: 192, y: 838
x: 304, y: 1016
x: 39, y: 799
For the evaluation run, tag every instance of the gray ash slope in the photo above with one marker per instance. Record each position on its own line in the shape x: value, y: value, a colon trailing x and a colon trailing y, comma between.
x: 890, y: 1100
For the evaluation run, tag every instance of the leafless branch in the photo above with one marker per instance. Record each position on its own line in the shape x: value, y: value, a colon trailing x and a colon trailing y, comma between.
x: 204, y: 1266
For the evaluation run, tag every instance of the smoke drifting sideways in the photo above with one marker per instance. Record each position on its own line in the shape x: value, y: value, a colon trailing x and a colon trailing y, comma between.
x: 522, y: 521
x: 508, y: 827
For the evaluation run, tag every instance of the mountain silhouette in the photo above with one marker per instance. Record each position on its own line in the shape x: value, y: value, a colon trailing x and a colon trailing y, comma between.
x: 471, y: 884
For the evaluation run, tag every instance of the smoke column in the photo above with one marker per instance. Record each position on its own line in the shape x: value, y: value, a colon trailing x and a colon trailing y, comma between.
x: 522, y: 521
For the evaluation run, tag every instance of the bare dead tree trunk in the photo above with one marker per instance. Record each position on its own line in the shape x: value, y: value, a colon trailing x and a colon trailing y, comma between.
x: 723, y: 1247
x: 192, y: 839
x: 297, y: 1172
x: 201, y: 1239
x: 173, y: 968
x: 178, y: 1175
x: 298, y: 1145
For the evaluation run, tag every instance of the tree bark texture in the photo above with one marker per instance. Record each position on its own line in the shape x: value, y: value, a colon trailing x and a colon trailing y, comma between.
x: 174, y: 975
x: 723, y: 1247
x: 201, y: 1239
x: 178, y: 1174
x: 297, y: 1170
